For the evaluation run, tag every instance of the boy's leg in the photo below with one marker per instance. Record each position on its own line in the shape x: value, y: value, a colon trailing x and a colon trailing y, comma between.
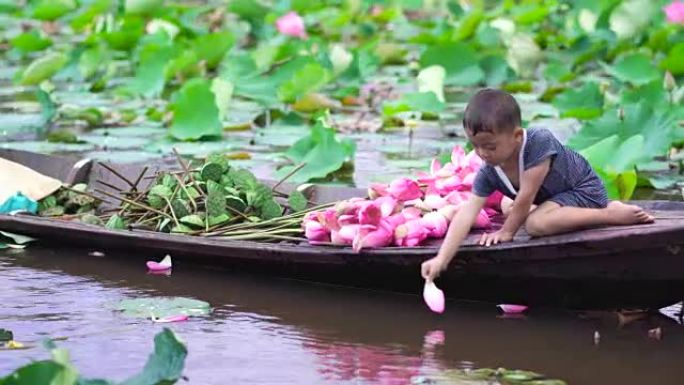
x: 507, y: 206
x: 551, y: 218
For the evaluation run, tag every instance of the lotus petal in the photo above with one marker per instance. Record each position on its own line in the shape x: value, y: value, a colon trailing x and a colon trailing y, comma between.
x: 164, y: 264
x: 512, y: 309
x: 171, y: 318
x: 434, y: 297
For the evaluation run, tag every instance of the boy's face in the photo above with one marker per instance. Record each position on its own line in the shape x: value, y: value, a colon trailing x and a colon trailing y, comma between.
x: 496, y: 148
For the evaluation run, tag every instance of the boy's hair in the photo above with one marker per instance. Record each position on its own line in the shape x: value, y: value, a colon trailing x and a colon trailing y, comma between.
x: 491, y: 111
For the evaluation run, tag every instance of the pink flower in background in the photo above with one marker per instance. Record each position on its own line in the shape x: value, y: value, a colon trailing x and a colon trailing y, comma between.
x: 675, y: 12
x: 404, y: 189
x: 291, y: 24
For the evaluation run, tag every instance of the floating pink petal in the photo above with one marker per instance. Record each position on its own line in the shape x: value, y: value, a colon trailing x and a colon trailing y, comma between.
x: 404, y: 189
x: 512, y: 309
x: 675, y: 12
x: 171, y: 318
x: 163, y: 265
x: 291, y: 24
x: 433, y: 297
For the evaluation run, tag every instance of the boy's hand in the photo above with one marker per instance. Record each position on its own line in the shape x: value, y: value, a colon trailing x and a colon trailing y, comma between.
x: 431, y: 268
x: 489, y: 239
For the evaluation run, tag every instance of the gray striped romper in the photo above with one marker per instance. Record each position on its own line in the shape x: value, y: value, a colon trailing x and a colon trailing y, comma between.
x: 570, y: 182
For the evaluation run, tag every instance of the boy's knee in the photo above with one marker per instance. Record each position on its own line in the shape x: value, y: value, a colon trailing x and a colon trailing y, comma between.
x: 535, y: 226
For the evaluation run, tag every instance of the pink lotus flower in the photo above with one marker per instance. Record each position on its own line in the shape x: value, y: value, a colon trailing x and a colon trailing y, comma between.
x: 345, y: 220
x: 346, y: 234
x: 675, y: 12
x: 482, y: 221
x: 434, y: 201
x: 404, y: 189
x: 377, y: 190
x: 291, y: 24
x: 411, y: 213
x: 369, y: 214
x: 388, y: 205
x: 436, y: 224
x: 411, y: 233
x: 459, y: 174
x: 396, y: 220
x: 370, y: 236
x: 494, y: 201
x: 315, y: 232
x: 328, y: 219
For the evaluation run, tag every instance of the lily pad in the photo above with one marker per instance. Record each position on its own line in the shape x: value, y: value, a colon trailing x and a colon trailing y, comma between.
x: 657, y: 126
x: 674, y: 62
x: 6, y: 335
x: 635, y: 68
x: 30, y: 42
x: 163, y: 307
x: 458, y: 59
x: 43, y: 68
x: 321, y: 152
x: 195, y: 112
x: 415, y: 101
x: 308, y: 79
x: 583, y: 103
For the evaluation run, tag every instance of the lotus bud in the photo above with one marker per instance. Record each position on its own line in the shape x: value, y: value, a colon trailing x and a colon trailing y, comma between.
x: 669, y: 81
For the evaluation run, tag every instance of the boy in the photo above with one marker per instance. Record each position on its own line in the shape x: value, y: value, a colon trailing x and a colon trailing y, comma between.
x: 530, y: 167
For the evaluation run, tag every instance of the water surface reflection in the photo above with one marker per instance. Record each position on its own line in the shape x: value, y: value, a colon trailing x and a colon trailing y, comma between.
x: 269, y: 331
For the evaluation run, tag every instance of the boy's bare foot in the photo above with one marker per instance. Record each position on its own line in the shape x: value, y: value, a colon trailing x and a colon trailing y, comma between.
x: 623, y: 214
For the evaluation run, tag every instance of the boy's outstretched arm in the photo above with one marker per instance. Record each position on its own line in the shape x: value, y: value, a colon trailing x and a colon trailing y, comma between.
x: 530, y: 181
x: 458, y: 229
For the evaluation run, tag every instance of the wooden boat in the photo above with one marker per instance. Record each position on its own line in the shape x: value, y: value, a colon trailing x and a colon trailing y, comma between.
x: 624, y: 266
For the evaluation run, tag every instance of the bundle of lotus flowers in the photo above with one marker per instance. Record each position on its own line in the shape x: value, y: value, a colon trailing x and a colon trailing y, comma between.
x: 405, y: 212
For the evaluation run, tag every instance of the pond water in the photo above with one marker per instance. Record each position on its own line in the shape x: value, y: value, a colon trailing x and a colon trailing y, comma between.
x: 271, y: 331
